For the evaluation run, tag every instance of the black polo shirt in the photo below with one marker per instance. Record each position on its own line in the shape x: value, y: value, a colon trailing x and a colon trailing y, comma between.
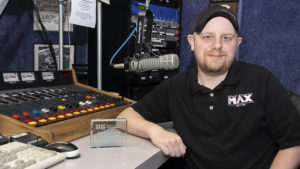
x: 240, y: 124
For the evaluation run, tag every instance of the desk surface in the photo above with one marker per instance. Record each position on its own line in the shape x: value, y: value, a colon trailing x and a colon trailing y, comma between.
x: 139, y: 153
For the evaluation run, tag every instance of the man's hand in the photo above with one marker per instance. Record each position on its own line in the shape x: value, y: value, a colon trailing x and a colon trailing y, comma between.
x: 170, y: 143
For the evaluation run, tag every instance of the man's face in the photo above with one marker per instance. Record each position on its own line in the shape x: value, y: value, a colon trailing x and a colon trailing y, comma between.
x: 215, y: 46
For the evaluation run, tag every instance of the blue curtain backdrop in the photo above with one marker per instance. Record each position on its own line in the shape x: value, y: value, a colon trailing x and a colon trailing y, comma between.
x: 17, y: 38
x: 270, y: 31
x: 271, y: 38
x: 190, y: 9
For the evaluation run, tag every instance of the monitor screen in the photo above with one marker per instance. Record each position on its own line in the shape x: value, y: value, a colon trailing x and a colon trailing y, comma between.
x: 3, y: 4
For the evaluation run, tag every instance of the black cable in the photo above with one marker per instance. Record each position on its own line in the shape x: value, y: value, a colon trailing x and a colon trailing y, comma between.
x: 45, y: 33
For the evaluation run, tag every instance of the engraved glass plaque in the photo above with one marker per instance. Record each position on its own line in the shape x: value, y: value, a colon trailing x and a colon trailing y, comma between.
x: 108, y: 132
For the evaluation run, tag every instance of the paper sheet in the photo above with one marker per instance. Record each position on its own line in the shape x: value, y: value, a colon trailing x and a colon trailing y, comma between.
x: 106, y: 1
x: 83, y: 12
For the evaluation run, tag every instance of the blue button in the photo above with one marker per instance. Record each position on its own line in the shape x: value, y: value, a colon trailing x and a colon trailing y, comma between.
x: 36, y: 112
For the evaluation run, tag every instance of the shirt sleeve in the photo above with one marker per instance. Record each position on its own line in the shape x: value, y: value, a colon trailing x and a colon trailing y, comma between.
x: 281, y: 115
x: 154, y: 106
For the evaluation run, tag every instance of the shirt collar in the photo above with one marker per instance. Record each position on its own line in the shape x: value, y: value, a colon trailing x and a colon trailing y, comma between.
x: 233, y: 74
x: 231, y: 78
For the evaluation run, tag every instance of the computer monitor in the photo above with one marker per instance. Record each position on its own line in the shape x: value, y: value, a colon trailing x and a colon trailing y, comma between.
x: 3, y: 4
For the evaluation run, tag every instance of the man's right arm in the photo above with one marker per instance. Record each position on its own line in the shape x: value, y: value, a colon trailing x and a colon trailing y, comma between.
x: 170, y: 143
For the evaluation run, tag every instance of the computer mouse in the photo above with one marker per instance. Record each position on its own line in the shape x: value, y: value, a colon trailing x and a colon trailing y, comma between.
x: 70, y: 150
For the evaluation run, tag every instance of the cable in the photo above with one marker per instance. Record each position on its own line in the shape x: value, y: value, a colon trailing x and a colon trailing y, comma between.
x: 131, y: 34
x: 112, y: 58
x: 45, y: 33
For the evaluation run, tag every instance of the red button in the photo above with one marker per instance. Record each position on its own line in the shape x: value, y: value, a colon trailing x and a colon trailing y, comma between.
x: 88, y: 97
x: 71, y: 111
x: 15, y: 116
x: 25, y: 114
x: 25, y: 120
x: 46, y: 117
x: 63, y: 112
x: 55, y: 114
x: 36, y: 118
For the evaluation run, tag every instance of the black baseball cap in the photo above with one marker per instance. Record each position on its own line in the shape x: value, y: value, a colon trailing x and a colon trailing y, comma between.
x: 211, y: 12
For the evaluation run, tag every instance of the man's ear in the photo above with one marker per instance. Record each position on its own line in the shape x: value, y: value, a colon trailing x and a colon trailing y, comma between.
x: 239, y: 41
x: 191, y: 41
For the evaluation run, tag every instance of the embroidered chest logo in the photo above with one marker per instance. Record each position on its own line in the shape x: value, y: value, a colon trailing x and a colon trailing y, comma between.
x: 240, y: 99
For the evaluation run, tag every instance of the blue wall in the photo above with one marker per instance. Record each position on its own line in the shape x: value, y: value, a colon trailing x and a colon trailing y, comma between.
x: 271, y: 38
x: 17, y: 38
x: 270, y: 31
x: 190, y: 9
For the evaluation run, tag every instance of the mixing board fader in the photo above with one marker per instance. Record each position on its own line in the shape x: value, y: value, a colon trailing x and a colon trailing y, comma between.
x: 48, y: 103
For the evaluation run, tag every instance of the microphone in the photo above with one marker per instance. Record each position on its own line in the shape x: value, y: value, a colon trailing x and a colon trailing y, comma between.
x: 166, y: 62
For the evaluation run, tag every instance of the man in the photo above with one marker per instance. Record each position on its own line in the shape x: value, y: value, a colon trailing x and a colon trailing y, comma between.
x: 227, y: 114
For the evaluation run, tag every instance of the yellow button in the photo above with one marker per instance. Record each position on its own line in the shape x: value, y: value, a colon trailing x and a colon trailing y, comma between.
x: 52, y: 118
x: 96, y: 108
x: 90, y: 110
x: 112, y: 105
x: 42, y: 120
x: 77, y: 112
x: 83, y: 111
x: 61, y: 116
x: 32, y: 123
x: 61, y: 107
x: 101, y: 107
x: 107, y: 105
x: 69, y: 114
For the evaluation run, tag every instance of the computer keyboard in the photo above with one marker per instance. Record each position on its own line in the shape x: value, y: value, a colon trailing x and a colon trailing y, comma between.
x: 17, y: 155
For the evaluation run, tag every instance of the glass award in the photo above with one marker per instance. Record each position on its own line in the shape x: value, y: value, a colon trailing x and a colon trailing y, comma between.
x: 108, y: 132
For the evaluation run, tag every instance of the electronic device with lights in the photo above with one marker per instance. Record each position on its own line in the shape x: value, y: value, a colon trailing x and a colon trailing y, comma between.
x: 52, y: 104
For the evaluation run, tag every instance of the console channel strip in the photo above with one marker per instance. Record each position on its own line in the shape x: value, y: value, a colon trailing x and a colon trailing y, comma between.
x: 52, y: 104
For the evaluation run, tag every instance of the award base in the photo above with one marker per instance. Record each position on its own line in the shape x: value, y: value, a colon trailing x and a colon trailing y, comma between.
x: 108, y: 132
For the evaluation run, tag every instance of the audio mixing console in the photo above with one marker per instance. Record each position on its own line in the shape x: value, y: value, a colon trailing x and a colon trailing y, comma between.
x: 52, y: 104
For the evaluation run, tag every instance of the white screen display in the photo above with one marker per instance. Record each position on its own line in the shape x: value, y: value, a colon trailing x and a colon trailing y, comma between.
x: 48, y: 75
x: 27, y: 76
x: 10, y: 77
